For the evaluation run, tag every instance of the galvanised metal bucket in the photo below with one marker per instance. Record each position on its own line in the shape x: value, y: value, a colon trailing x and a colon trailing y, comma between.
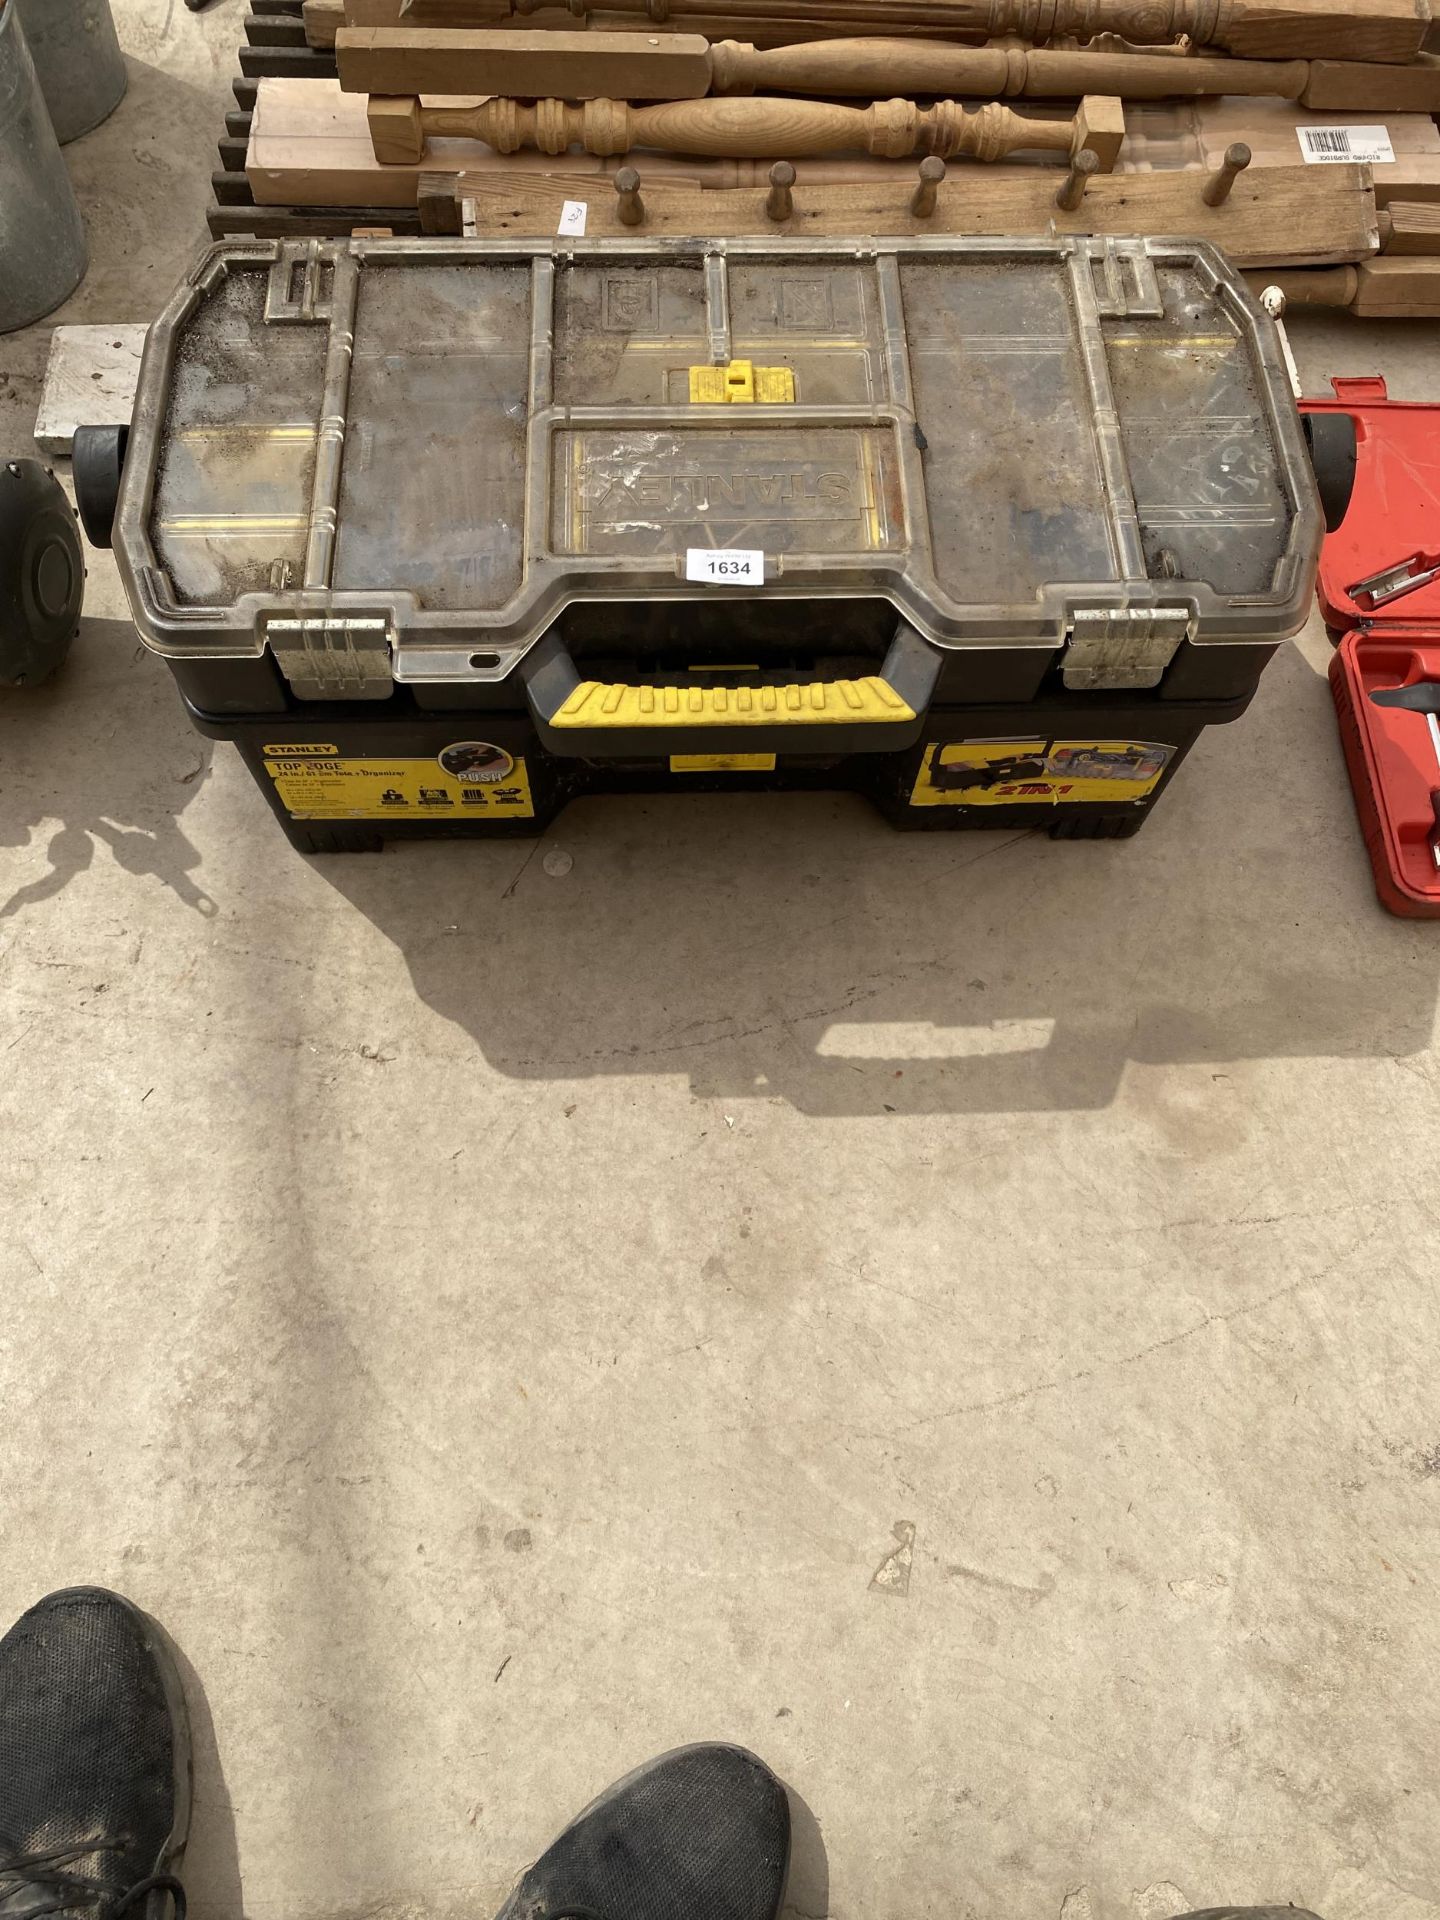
x: 42, y: 237
x: 78, y: 58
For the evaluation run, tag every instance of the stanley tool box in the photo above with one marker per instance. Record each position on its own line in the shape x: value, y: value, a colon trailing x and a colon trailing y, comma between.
x: 443, y: 534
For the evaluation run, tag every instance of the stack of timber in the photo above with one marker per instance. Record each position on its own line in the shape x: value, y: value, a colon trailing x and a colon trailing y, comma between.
x: 1300, y: 135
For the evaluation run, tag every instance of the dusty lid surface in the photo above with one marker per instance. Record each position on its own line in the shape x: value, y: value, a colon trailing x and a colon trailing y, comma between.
x: 460, y: 438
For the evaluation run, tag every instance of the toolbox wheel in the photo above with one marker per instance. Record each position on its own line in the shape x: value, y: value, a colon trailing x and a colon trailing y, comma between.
x: 97, y: 460
x: 323, y: 840
x: 42, y: 573
x: 1109, y: 826
x: 1331, y: 440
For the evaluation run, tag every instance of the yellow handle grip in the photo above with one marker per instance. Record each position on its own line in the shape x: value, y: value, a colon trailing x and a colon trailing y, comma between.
x: 601, y: 705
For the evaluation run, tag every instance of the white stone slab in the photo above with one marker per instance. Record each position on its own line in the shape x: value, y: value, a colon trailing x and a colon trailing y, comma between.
x: 89, y: 382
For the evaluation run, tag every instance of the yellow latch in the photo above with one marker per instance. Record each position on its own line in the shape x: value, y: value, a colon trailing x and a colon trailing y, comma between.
x: 742, y: 380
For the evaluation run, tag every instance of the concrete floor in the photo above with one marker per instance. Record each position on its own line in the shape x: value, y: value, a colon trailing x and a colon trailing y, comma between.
x: 502, y: 1321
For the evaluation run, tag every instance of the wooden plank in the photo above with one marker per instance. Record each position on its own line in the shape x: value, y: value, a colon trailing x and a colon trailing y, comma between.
x: 297, y: 223
x: 1396, y: 289
x: 1354, y: 86
x: 1409, y: 226
x: 323, y: 19
x: 277, y: 63
x: 1324, y: 29
x: 770, y: 31
x: 1195, y: 133
x: 436, y: 204
x: 568, y: 66
x: 231, y: 190
x: 274, y: 30
x: 1290, y: 216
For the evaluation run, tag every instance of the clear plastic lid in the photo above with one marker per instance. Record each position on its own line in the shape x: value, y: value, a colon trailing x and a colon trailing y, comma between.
x: 456, y: 439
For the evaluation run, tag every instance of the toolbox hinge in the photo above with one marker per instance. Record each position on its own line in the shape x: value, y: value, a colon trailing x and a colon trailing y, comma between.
x: 333, y: 656
x: 1122, y: 646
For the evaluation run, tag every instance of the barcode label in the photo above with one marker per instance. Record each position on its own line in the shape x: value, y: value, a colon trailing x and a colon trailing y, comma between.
x: 572, y: 217
x: 1319, y: 145
x: 726, y: 566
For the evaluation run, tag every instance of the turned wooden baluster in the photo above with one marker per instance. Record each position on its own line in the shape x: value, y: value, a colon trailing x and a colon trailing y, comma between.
x: 880, y: 67
x: 739, y: 128
x: 1388, y: 30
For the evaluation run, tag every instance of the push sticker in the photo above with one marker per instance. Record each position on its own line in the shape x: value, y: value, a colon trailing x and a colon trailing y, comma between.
x: 390, y: 789
x: 476, y: 762
x: 1003, y: 773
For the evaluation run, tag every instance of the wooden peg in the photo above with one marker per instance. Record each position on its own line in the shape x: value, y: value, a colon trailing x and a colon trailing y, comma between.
x: 1073, y: 192
x: 780, y: 205
x: 629, y: 206
x: 932, y: 172
x: 1216, y: 190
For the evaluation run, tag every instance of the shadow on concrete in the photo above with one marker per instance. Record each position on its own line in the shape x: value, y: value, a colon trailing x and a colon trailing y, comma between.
x: 211, y: 1868
x: 103, y: 748
x: 797, y: 948
x: 142, y: 179
x: 808, y: 1894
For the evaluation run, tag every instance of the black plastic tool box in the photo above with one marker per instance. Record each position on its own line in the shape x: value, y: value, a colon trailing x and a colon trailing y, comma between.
x: 444, y: 533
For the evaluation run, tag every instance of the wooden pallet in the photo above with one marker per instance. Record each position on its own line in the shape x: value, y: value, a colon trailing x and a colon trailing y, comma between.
x: 275, y: 47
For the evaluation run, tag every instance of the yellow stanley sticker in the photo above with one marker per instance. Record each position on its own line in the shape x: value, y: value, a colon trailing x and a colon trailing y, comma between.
x: 388, y: 789
x: 1006, y: 773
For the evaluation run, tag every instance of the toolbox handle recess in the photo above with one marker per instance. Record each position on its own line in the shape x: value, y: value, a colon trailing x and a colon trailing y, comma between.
x: 595, y: 719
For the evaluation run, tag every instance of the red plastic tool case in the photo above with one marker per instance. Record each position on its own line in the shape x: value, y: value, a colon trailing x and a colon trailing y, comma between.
x: 1394, y: 517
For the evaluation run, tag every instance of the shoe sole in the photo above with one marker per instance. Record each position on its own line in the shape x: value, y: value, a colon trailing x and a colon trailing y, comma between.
x: 157, y: 1642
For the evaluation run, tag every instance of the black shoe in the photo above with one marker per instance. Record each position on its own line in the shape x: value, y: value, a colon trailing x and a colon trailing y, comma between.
x: 94, y: 1763
x: 700, y: 1834
x: 1249, y: 1913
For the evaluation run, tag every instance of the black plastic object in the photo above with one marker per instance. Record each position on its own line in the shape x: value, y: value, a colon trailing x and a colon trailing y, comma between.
x: 1331, y: 440
x: 94, y: 1762
x: 702, y: 1833
x: 42, y: 573
x: 97, y: 460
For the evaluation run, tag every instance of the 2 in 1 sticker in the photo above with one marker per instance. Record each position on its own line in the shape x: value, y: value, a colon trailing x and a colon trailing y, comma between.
x: 474, y: 762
